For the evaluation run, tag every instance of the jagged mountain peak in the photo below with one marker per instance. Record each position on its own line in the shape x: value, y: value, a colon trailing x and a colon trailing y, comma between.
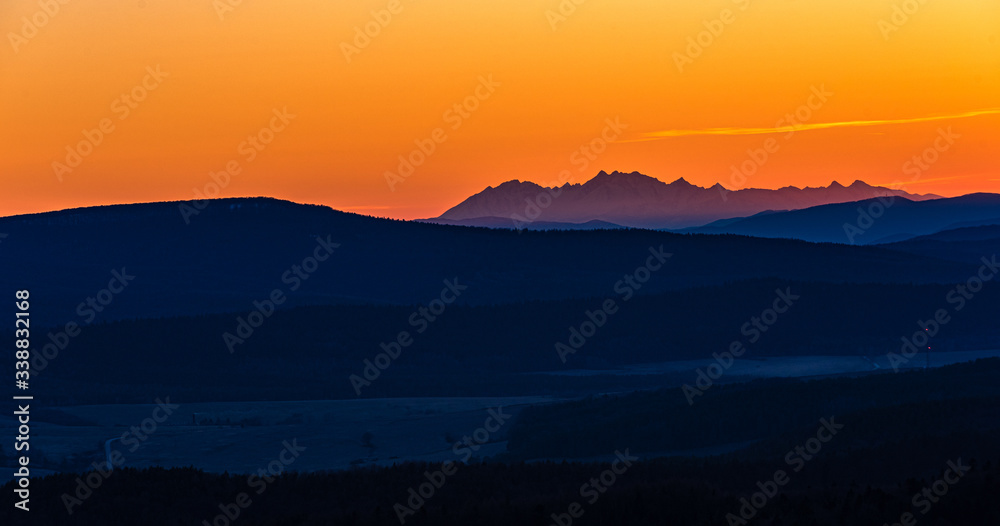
x: 603, y: 177
x: 638, y: 200
x: 682, y: 182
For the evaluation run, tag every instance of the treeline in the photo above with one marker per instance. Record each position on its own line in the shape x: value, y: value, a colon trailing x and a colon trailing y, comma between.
x: 691, y: 492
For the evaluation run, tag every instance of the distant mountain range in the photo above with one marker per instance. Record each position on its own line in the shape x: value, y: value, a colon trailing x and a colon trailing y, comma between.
x: 505, y: 222
x: 871, y: 221
x: 637, y: 200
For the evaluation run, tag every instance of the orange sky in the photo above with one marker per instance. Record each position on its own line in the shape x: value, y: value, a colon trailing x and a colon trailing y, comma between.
x: 356, y: 110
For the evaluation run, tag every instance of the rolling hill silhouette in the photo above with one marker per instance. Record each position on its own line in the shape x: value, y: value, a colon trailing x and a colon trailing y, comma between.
x: 967, y: 244
x: 866, y: 222
x: 237, y: 251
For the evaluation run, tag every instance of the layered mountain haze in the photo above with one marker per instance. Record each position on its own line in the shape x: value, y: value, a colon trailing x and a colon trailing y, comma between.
x: 637, y: 200
x: 871, y: 221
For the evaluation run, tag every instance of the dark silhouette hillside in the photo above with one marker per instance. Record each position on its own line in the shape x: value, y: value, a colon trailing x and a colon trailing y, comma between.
x: 237, y: 251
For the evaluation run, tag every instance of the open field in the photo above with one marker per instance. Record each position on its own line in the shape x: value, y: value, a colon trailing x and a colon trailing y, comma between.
x: 244, y: 437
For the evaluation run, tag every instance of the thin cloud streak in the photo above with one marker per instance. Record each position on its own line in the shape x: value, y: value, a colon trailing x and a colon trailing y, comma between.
x: 651, y: 136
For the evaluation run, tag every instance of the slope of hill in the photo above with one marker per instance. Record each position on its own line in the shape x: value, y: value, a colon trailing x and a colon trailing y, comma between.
x: 237, y: 251
x: 507, y: 222
x: 970, y: 233
x: 865, y: 222
x: 637, y: 200
x: 967, y: 244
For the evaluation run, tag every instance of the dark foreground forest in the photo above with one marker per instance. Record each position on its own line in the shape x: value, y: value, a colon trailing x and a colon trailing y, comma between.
x: 830, y: 491
x: 917, y: 447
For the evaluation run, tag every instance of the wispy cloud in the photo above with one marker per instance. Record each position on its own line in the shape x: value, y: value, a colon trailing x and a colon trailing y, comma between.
x: 665, y: 134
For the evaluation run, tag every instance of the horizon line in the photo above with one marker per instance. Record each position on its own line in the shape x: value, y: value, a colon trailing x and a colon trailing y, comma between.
x: 387, y: 207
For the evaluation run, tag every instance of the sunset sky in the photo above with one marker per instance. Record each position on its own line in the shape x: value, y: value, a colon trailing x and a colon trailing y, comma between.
x: 892, y: 84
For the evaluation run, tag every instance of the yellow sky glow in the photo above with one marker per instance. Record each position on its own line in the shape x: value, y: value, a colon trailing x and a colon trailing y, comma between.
x: 369, y: 81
